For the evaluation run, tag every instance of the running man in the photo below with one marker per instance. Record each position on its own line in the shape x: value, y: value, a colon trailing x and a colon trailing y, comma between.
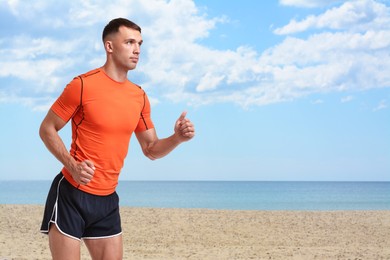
x: 104, y: 108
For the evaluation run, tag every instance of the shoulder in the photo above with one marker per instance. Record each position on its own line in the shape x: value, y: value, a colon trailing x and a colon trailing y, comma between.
x: 76, y: 85
x: 136, y: 87
x: 90, y: 74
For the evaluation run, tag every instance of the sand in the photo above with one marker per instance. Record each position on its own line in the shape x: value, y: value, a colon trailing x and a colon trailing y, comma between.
x: 218, y: 234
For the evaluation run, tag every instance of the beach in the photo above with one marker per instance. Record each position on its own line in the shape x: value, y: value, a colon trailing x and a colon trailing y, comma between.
x: 152, y: 233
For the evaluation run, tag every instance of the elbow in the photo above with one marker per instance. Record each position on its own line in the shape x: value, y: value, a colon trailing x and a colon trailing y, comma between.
x: 149, y: 154
x: 46, y: 131
x: 150, y: 151
x: 151, y: 158
x: 42, y: 132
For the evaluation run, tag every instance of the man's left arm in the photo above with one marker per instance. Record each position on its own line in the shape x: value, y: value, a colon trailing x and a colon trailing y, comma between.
x: 155, y: 148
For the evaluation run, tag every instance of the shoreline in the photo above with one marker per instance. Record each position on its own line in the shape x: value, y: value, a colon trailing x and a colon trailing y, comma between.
x: 154, y: 233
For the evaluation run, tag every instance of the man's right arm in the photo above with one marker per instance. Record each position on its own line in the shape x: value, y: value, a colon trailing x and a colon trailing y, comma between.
x: 82, y: 172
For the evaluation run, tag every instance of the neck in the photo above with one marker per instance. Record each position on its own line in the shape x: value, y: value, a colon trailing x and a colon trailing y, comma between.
x: 115, y: 73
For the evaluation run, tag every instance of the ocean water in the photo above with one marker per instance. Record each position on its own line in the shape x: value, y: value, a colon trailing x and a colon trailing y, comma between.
x: 236, y: 195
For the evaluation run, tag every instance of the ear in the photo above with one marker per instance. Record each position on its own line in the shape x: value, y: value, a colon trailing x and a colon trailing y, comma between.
x: 108, y: 46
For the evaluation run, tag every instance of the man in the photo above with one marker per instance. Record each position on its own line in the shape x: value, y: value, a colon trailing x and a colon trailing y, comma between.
x: 105, y: 108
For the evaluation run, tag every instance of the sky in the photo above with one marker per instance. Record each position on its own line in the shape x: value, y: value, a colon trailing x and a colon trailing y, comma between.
x: 288, y: 90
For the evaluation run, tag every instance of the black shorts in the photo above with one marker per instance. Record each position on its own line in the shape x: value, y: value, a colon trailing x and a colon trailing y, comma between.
x: 81, y: 215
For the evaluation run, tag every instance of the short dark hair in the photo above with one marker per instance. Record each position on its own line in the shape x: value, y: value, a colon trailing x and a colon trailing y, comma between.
x: 113, y: 26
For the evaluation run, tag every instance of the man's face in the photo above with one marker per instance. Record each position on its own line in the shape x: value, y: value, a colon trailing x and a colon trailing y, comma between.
x: 126, y: 48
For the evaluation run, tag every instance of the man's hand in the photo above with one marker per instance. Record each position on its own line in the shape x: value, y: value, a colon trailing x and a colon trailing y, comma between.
x: 184, y: 128
x: 83, y: 172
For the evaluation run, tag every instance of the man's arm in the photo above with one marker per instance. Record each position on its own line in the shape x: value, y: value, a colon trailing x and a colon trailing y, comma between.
x: 82, y: 172
x: 155, y: 148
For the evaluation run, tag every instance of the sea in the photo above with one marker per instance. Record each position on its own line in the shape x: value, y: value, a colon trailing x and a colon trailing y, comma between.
x: 226, y: 195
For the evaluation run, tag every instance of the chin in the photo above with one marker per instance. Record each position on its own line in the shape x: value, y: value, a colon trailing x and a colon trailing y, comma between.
x: 132, y: 67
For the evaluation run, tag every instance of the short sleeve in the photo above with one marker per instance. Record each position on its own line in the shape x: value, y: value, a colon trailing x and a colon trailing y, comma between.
x: 145, y: 121
x: 68, y: 102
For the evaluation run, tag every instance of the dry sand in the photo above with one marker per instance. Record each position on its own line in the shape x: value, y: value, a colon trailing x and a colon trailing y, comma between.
x: 218, y: 234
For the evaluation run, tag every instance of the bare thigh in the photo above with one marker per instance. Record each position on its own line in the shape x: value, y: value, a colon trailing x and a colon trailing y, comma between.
x: 105, y: 248
x: 61, y: 246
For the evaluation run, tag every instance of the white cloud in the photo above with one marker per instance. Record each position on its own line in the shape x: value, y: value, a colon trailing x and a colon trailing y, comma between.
x: 175, y: 66
x: 36, y: 103
x: 382, y: 105
x: 347, y: 99
x: 359, y: 15
x: 309, y: 3
x: 25, y: 8
x: 39, y: 62
x: 209, y: 82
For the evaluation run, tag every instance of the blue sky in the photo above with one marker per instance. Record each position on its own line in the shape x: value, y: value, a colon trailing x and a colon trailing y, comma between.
x: 278, y: 90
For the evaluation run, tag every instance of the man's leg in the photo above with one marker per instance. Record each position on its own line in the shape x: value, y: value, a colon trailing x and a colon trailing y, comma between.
x: 105, y: 248
x: 63, y: 247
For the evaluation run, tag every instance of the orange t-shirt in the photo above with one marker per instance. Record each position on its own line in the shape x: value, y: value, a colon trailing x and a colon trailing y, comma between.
x: 104, y: 115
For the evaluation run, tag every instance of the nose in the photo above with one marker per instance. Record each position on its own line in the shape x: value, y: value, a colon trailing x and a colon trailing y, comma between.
x: 137, y: 49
